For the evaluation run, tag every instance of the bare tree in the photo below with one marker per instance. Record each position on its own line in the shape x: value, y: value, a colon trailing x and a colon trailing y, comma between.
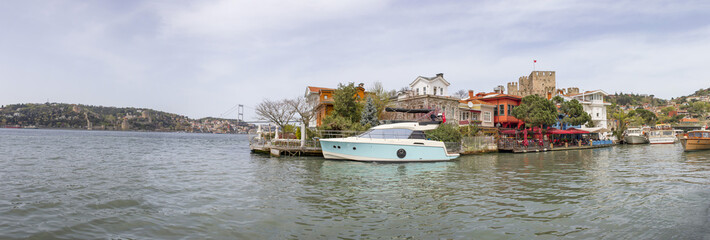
x: 278, y: 112
x: 304, y: 108
x: 381, y: 97
x: 461, y: 94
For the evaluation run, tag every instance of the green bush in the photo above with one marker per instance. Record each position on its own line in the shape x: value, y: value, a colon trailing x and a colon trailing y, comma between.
x: 445, y: 133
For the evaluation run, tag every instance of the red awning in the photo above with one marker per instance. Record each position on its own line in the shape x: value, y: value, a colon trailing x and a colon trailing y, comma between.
x: 508, y: 132
x: 576, y: 131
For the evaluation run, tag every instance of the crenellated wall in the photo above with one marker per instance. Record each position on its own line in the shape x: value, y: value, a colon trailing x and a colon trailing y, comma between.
x: 542, y: 83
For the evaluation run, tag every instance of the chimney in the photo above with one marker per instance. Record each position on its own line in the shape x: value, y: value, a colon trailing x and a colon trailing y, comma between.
x: 440, y: 75
x: 470, y: 94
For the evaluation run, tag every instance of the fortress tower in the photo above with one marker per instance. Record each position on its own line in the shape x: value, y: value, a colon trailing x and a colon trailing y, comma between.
x: 539, y: 82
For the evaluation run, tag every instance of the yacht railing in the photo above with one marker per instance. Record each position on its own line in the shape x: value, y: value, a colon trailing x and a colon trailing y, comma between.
x: 452, y: 147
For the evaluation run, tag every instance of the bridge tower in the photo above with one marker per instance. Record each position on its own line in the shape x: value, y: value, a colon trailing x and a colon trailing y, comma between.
x: 240, y: 113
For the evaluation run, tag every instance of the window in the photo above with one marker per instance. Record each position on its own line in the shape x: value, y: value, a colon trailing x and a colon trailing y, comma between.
x: 424, y: 92
x: 495, y: 110
x: 417, y: 91
x: 434, y: 90
x: 417, y: 135
x: 502, y: 110
x: 487, y: 116
x: 510, y: 110
x: 387, y: 134
x: 325, y: 97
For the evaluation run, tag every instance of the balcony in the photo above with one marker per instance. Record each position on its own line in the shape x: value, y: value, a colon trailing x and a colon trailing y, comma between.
x: 467, y: 122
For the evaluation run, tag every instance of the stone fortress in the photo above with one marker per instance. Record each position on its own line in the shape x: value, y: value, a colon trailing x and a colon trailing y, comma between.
x: 542, y: 83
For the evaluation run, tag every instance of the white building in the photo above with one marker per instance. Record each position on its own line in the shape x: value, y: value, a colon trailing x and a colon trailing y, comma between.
x: 593, y: 103
x: 437, y: 85
x: 429, y: 93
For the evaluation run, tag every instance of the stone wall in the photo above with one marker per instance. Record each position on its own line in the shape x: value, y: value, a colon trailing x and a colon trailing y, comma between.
x: 538, y: 82
x: 441, y: 103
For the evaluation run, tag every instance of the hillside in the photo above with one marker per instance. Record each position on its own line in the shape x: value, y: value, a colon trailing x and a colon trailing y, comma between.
x: 78, y: 116
x: 631, y: 99
x: 699, y: 95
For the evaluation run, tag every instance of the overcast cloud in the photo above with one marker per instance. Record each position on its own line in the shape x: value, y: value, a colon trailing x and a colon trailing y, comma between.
x: 200, y: 58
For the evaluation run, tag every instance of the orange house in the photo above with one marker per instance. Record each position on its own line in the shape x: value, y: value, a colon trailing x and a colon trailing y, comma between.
x: 323, y: 98
x: 503, y: 111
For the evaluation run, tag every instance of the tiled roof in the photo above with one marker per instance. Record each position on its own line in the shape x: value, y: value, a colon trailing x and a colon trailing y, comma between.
x: 316, y: 89
x: 475, y: 101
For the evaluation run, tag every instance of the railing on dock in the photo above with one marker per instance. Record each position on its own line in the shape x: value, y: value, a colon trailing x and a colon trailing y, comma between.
x: 515, y: 145
x: 452, y: 147
x: 478, y: 144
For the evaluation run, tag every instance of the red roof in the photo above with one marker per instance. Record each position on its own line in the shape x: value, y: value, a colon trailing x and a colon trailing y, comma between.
x: 494, y: 95
x: 317, y: 89
x: 475, y: 101
x: 690, y: 120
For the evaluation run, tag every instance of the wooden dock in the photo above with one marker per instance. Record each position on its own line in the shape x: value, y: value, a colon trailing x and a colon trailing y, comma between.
x: 534, y: 146
x: 286, y: 147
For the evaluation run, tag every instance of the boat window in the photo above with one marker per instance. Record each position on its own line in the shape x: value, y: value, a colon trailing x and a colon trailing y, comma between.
x: 706, y: 135
x: 396, y: 133
x: 417, y: 135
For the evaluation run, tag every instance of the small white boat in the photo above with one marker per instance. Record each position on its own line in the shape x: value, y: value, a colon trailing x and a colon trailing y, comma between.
x: 635, y: 136
x: 662, y: 137
x: 663, y: 134
x: 398, y: 142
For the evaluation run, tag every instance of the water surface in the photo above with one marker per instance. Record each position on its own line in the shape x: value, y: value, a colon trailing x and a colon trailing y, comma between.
x: 96, y: 184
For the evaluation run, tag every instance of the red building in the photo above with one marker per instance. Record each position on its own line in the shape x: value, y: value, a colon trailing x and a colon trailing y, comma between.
x: 503, y: 111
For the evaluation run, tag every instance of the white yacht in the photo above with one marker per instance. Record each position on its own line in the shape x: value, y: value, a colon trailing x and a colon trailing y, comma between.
x: 635, y: 136
x: 662, y: 134
x: 398, y: 142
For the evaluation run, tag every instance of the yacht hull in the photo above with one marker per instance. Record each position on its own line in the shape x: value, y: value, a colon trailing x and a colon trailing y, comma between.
x: 663, y: 140
x: 635, y: 140
x: 371, y: 150
x: 695, y: 144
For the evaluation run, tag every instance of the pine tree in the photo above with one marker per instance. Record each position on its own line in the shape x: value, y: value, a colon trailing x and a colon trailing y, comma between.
x: 369, y: 113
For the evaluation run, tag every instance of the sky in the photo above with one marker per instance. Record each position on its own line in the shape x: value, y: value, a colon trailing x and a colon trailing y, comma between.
x: 201, y: 58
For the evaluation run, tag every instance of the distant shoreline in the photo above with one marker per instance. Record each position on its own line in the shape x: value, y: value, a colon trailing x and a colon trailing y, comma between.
x: 108, y: 130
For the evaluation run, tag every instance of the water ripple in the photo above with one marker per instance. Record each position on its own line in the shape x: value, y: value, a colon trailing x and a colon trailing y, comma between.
x: 129, y: 185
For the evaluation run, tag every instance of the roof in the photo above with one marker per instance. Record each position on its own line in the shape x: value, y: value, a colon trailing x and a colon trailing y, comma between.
x: 317, y: 89
x: 689, y: 120
x: 431, y: 79
x: 497, y: 95
x: 474, y: 101
x: 589, y: 93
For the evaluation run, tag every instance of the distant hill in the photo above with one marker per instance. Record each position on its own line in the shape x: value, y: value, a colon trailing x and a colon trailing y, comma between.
x: 700, y: 93
x: 78, y: 116
x: 631, y: 99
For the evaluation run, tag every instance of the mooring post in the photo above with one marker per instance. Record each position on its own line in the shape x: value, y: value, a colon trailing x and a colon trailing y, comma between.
x: 303, y: 135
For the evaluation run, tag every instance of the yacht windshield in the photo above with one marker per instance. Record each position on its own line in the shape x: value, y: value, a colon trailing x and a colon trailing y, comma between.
x: 396, y: 133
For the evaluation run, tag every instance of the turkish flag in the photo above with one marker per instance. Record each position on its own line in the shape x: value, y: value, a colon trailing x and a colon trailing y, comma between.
x: 534, y: 61
x: 443, y: 117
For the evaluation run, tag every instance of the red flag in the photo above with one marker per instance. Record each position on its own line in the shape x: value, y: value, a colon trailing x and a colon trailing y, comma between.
x: 534, y: 61
x: 443, y: 117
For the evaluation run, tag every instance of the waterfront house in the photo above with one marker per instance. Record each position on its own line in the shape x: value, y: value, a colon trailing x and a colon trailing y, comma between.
x: 592, y: 103
x: 475, y: 112
x: 322, y: 99
x: 503, y: 105
x: 437, y: 85
x: 428, y: 93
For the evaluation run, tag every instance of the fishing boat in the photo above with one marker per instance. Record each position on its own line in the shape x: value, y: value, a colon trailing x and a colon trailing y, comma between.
x: 635, y: 136
x: 696, y: 140
x: 396, y: 142
x: 662, y: 134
